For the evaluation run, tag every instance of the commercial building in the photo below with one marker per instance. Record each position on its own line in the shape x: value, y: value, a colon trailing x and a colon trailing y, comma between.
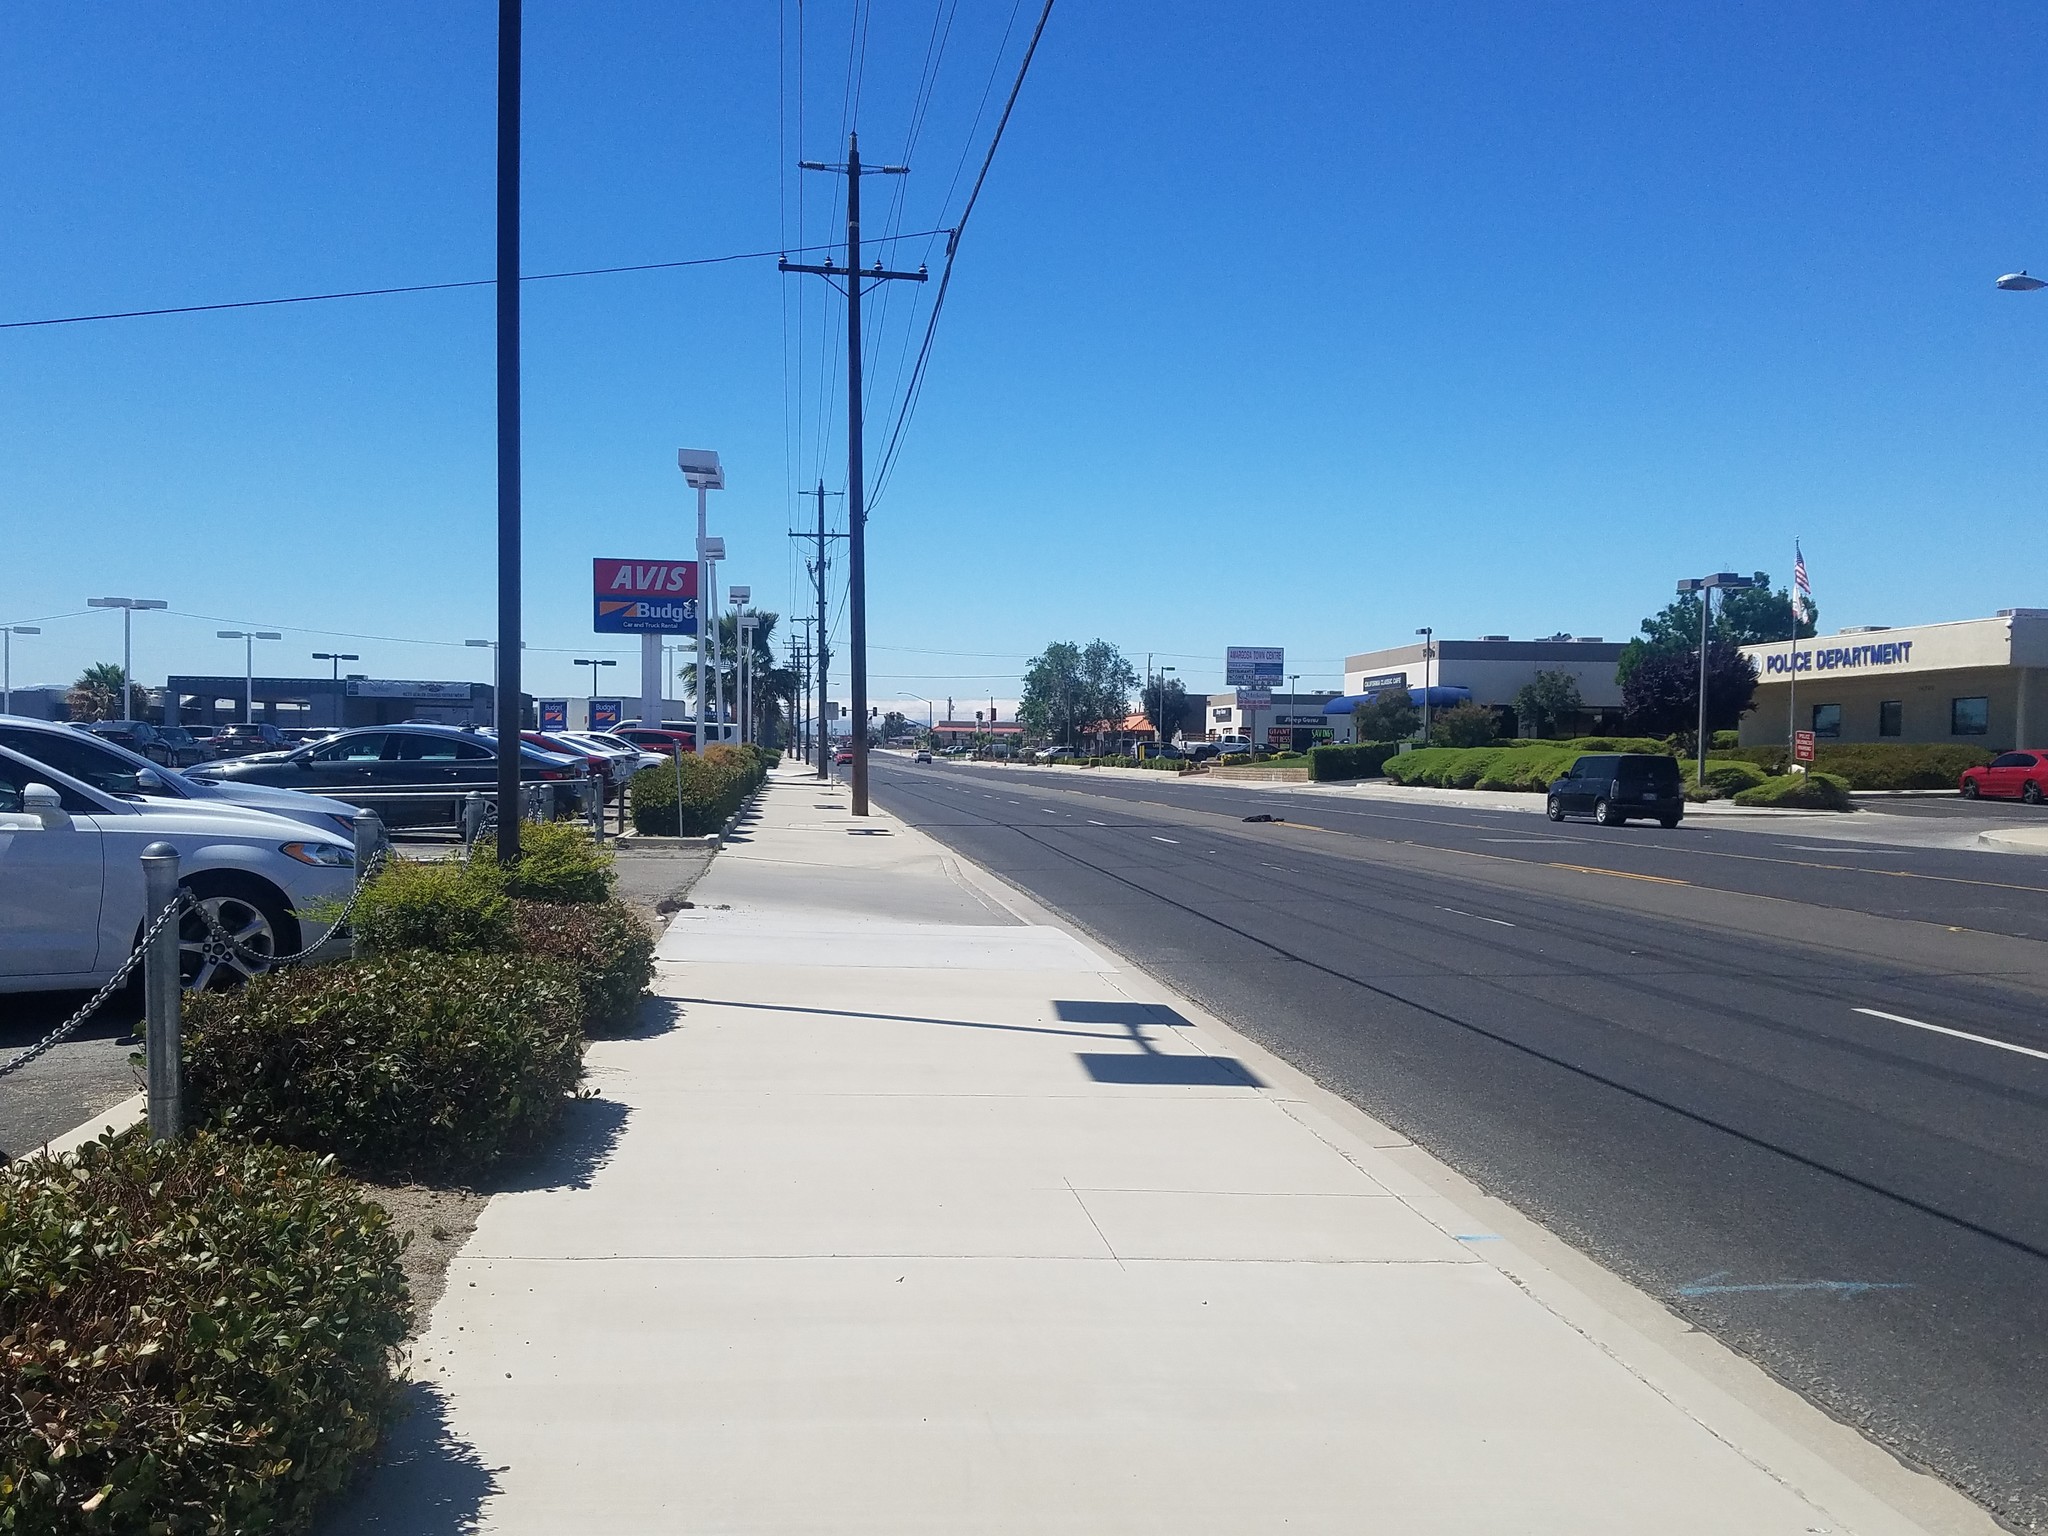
x: 1976, y: 682
x: 1292, y: 722
x: 1490, y: 670
x: 346, y: 701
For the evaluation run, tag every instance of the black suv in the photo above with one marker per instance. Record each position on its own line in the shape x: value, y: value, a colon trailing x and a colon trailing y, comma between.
x: 246, y: 737
x: 1614, y: 787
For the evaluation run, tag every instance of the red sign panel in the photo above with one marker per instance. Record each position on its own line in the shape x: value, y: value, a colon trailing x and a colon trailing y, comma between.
x: 1802, y: 746
x: 633, y: 597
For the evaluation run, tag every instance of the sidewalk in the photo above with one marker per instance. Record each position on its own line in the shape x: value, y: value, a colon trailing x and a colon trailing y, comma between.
x: 921, y: 1214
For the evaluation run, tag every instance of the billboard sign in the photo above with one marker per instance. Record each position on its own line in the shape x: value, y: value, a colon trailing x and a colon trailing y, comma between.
x: 390, y: 688
x: 554, y: 714
x: 1254, y: 698
x: 644, y: 597
x: 1254, y: 666
x: 605, y: 714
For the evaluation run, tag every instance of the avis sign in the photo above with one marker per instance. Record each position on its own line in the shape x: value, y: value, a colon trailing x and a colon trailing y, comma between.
x: 644, y: 597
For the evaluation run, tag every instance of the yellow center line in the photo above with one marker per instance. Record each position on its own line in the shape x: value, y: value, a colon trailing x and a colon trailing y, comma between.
x: 1619, y: 874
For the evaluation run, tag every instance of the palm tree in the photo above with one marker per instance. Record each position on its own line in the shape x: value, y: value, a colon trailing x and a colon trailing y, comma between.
x: 773, y: 686
x: 97, y: 694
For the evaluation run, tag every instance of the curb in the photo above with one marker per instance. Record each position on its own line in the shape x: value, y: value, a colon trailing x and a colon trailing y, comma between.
x: 2020, y: 840
x: 132, y: 1110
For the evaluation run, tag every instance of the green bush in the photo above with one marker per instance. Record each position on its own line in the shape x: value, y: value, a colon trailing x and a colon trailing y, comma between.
x: 1365, y: 760
x: 1879, y: 764
x: 1528, y: 768
x: 1464, y: 725
x: 1801, y: 791
x: 200, y: 1336
x: 441, y: 904
x: 1721, y: 740
x: 1233, y: 759
x: 605, y: 946
x: 716, y: 783
x: 412, y: 1064
x: 1726, y: 777
x: 559, y: 861
x: 1652, y: 745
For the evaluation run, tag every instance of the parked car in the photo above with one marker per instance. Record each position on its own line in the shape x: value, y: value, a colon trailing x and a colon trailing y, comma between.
x: 631, y: 759
x: 114, y: 770
x: 248, y: 736
x: 1203, y: 751
x: 410, y: 775
x: 656, y: 739
x: 71, y: 893
x: 1616, y: 787
x: 299, y: 735
x: 1058, y: 755
x: 599, y: 764
x: 2008, y: 776
x: 138, y: 736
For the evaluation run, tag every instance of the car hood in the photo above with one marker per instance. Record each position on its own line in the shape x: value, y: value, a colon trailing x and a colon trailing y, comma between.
x: 322, y: 811
x: 216, y: 818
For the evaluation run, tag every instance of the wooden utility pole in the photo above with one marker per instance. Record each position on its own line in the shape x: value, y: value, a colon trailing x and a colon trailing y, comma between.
x: 505, y: 713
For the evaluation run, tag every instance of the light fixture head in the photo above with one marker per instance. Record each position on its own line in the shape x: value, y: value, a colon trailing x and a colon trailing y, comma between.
x: 701, y: 469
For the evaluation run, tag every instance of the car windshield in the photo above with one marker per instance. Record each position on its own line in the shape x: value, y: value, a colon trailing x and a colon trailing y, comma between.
x: 93, y: 759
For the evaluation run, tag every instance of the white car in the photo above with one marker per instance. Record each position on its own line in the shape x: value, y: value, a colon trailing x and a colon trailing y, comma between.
x: 114, y: 770
x: 71, y: 897
x: 626, y: 759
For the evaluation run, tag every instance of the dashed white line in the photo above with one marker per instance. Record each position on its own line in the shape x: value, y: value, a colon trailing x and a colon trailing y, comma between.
x: 1158, y: 839
x: 1496, y: 921
x: 1960, y: 1034
x: 1094, y: 823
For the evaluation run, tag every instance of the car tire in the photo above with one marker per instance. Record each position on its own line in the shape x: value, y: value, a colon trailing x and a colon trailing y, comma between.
x: 1605, y: 814
x: 1668, y: 823
x: 1554, y: 808
x: 2031, y: 793
x: 1969, y: 790
x: 255, y: 913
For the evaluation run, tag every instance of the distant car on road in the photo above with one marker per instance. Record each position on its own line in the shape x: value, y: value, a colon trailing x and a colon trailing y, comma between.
x: 1616, y: 787
x: 2008, y: 776
x: 1058, y: 755
x: 248, y: 736
x: 923, y: 756
x: 843, y: 755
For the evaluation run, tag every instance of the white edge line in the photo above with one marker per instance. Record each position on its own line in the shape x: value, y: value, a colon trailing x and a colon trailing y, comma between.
x: 1960, y: 1034
x: 1498, y: 922
x: 1158, y: 839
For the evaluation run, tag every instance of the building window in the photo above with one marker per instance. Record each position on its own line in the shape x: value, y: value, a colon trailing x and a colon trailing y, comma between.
x: 1891, y: 718
x: 1827, y: 719
x: 1969, y: 717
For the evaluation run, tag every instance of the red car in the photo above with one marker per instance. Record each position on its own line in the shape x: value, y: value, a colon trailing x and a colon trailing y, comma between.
x: 2009, y: 776
x: 593, y: 762
x: 842, y: 756
x: 656, y: 740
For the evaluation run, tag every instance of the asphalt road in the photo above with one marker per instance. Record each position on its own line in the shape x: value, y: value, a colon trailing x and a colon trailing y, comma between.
x: 1799, y: 1091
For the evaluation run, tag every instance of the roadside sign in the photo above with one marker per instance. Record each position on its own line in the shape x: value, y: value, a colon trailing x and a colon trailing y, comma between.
x: 1254, y: 665
x: 1802, y: 746
x: 1253, y: 698
x: 644, y: 597
x: 605, y: 714
x: 554, y: 714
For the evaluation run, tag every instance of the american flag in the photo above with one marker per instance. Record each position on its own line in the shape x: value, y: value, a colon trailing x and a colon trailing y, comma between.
x: 1802, y: 590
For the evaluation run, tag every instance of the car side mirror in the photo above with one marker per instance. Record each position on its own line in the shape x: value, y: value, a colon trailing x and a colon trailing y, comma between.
x: 148, y: 779
x: 43, y: 803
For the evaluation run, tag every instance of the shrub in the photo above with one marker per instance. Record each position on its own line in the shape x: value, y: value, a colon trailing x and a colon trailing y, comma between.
x: 1720, y: 740
x: 1366, y: 760
x: 413, y: 1064
x: 1233, y: 759
x: 1463, y: 725
x: 604, y: 946
x: 1725, y: 777
x: 442, y: 905
x: 560, y: 862
x: 1802, y: 791
x: 1655, y: 746
x: 1527, y: 768
x: 716, y: 783
x: 1879, y: 764
x: 199, y: 1336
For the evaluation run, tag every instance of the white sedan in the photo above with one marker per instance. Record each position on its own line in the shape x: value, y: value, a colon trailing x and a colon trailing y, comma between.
x: 71, y: 897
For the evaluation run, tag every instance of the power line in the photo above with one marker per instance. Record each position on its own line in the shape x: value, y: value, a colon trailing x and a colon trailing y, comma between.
x: 477, y: 282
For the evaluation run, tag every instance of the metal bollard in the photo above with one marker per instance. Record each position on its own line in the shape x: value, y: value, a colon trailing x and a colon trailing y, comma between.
x: 162, y: 987
x: 472, y: 819
x: 370, y: 840
x: 596, y: 806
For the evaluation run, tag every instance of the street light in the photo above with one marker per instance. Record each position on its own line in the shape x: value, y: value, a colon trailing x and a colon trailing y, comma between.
x: 248, y: 637
x: 127, y: 605
x: 337, y: 657
x: 593, y: 662
x: 1428, y: 650
x: 2020, y: 282
x: 703, y: 473
x: 1706, y: 587
x: 7, y: 662
x: 497, y: 674
x: 747, y: 625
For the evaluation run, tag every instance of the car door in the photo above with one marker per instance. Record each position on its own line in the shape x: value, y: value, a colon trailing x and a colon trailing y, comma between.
x: 1571, y: 796
x: 52, y: 882
x: 2005, y: 775
x: 339, y: 766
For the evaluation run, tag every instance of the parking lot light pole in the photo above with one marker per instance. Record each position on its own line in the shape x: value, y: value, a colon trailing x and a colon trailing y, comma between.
x: 703, y: 473
x: 127, y: 605
x: 593, y: 662
x: 337, y: 657
x: 7, y: 662
x: 497, y: 672
x: 1705, y: 587
x: 1428, y: 650
x: 248, y: 637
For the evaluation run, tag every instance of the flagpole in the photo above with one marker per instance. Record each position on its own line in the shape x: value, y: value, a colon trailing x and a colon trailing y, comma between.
x: 1792, y: 673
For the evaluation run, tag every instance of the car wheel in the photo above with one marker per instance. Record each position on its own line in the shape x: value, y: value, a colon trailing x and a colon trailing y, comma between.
x: 255, y: 921
x: 1554, y: 808
x: 1969, y: 789
x: 2031, y: 793
x: 1668, y: 823
x: 1604, y: 814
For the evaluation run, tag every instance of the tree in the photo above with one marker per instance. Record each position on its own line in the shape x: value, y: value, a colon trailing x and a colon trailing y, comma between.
x: 1170, y: 709
x: 1391, y: 716
x: 1544, y: 705
x: 1752, y: 617
x: 97, y: 694
x: 1067, y: 688
x: 1464, y: 725
x: 1661, y: 697
x: 771, y: 687
x: 895, y: 724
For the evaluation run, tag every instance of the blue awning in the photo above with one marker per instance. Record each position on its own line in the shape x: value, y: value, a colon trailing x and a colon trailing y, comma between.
x: 1439, y: 696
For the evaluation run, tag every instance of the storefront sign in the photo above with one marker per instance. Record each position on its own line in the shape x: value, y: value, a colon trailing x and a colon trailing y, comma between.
x: 387, y: 688
x: 1253, y: 698
x: 1251, y: 666
x: 605, y: 714
x: 644, y: 597
x: 1383, y: 680
x: 554, y: 714
x: 1830, y: 658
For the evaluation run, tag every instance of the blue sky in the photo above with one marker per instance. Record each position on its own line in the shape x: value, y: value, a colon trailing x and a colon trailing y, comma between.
x: 1297, y: 324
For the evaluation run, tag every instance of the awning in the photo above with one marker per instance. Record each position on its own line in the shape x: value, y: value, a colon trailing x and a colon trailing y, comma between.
x: 1439, y: 696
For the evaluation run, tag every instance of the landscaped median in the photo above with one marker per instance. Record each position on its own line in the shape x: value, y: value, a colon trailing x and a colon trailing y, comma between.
x: 1530, y: 767
x: 696, y: 794
x: 203, y: 1335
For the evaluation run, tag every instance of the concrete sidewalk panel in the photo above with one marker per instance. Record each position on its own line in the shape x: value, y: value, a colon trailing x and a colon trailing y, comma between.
x: 720, y: 938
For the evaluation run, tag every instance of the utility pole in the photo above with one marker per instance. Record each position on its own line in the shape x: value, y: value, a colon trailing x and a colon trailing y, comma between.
x: 819, y: 564
x: 856, y: 487
x: 800, y: 658
x: 505, y: 712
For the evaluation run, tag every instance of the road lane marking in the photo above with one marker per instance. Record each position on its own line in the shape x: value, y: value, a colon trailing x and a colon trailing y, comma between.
x: 1619, y: 874
x: 1094, y: 823
x: 1158, y: 839
x: 1456, y: 912
x: 1706, y: 1286
x: 1048, y: 810
x: 1533, y: 839
x: 1960, y: 1034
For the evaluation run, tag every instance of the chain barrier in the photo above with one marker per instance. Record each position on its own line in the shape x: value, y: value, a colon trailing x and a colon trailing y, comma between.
x: 339, y: 925
x: 172, y: 910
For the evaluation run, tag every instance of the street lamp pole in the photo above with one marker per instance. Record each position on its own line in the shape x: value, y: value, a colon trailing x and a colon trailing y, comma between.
x: 248, y: 637
x: 592, y: 662
x: 7, y: 662
x: 337, y: 657
x: 1705, y: 587
x: 1428, y: 650
x: 703, y: 473
x: 127, y: 605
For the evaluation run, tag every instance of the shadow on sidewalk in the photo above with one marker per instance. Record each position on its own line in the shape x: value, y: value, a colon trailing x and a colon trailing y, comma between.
x: 426, y: 1483
x: 591, y: 1128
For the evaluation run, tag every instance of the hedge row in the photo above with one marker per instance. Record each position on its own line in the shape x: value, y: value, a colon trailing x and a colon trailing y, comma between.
x: 1877, y: 764
x: 1800, y: 791
x: 715, y: 783
x: 1367, y: 760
